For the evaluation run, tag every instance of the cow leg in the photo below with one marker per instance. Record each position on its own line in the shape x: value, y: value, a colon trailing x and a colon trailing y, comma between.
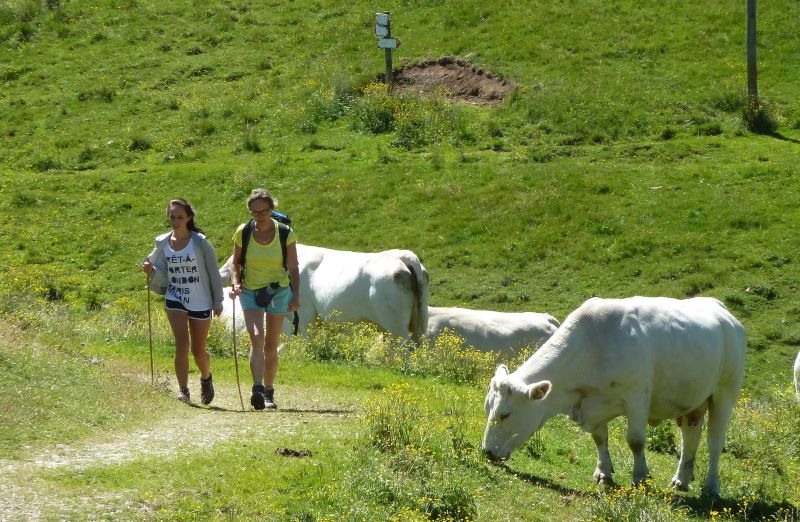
x: 797, y: 385
x: 605, y: 469
x: 719, y: 415
x: 691, y: 428
x: 396, y: 325
x: 797, y: 377
x: 636, y: 437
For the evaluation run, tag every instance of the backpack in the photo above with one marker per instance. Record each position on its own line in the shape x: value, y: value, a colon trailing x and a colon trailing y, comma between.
x: 284, y: 226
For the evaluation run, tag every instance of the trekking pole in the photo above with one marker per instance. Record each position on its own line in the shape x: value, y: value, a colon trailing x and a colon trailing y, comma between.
x: 235, y: 358
x: 150, y: 330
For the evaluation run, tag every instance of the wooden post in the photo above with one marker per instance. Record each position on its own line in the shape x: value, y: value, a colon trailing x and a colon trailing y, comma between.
x: 387, y: 53
x: 752, y: 82
x: 389, y: 72
x: 383, y: 31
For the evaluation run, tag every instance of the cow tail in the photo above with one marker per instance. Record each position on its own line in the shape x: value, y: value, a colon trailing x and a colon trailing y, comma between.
x: 419, y: 309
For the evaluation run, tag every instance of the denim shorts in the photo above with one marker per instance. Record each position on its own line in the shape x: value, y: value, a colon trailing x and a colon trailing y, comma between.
x: 278, y: 305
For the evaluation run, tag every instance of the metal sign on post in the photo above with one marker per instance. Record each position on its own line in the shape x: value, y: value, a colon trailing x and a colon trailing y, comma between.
x: 386, y: 42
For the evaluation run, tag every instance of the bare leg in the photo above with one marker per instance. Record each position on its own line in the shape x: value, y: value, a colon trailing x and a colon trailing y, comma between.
x: 198, y: 330
x: 179, y: 320
x: 274, y: 327
x: 254, y: 322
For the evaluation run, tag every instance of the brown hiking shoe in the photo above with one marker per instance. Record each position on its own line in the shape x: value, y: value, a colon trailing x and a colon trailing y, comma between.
x: 206, y: 390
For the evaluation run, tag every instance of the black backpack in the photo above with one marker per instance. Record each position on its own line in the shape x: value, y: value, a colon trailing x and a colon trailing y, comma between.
x: 284, y: 227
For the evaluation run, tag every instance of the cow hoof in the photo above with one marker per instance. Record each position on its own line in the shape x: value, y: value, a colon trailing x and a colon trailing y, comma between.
x: 602, y: 478
x: 678, y: 485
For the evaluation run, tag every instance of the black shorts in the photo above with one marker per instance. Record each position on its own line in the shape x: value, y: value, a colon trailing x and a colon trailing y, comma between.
x: 175, y: 305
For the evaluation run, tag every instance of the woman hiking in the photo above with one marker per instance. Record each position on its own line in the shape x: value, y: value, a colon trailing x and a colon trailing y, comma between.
x: 183, y: 268
x: 269, y: 285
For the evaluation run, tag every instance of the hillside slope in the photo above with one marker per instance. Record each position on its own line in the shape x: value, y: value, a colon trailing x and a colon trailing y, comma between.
x: 619, y: 166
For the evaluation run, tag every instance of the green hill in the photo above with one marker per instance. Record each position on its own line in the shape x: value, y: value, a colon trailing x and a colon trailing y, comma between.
x: 619, y: 165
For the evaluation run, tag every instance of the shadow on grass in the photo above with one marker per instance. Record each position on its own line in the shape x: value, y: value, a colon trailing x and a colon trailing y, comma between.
x: 542, y: 482
x: 281, y: 410
x: 779, y: 136
x: 752, y: 509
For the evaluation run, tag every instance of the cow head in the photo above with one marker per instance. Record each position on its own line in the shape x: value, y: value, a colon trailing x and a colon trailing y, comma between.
x: 515, y: 410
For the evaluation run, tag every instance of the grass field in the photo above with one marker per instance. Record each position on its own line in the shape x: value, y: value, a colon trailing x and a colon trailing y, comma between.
x: 619, y: 166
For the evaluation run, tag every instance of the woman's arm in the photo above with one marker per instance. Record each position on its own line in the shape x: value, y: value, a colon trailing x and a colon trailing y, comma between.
x: 236, y: 272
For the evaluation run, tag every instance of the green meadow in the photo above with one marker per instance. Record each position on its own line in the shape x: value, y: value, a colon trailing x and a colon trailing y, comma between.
x: 626, y: 161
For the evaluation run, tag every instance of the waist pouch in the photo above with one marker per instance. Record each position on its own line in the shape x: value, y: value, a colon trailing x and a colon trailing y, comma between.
x: 265, y: 295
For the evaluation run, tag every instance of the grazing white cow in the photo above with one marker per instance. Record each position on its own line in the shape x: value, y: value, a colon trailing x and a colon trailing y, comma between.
x: 645, y: 358
x: 503, y: 332
x: 388, y: 289
x: 797, y: 377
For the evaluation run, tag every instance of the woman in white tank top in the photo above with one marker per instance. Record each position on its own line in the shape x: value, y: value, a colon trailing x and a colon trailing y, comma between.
x: 183, y: 267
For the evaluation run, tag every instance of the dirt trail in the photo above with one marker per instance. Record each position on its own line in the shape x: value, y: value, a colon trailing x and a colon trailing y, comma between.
x: 26, y: 495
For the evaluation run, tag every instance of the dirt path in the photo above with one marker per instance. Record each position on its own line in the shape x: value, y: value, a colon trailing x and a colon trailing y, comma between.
x: 25, y: 494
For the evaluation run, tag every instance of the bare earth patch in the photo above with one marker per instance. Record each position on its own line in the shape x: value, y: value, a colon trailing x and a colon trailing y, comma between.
x: 454, y: 77
x: 288, y: 452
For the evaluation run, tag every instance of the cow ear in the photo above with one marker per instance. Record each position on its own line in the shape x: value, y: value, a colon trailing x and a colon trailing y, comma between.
x: 539, y: 390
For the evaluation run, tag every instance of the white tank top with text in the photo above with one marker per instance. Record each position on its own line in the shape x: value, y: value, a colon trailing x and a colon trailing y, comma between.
x: 186, y: 284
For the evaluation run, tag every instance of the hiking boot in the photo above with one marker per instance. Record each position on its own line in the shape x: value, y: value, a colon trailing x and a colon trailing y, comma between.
x: 257, y: 398
x: 269, y: 399
x: 183, y: 395
x: 206, y: 390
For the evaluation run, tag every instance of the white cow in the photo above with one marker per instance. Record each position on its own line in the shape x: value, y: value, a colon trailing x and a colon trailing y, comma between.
x: 645, y: 358
x: 228, y: 308
x: 388, y: 289
x: 797, y: 377
x: 503, y: 332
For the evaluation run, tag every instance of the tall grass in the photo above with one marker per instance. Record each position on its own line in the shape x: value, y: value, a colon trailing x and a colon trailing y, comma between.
x: 422, y: 454
x: 638, y: 503
x: 92, y: 393
x: 446, y: 357
x: 758, y: 117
